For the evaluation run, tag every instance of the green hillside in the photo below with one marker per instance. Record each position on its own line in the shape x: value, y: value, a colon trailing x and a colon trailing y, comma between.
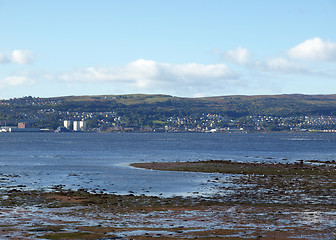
x: 142, y: 110
x: 275, y: 105
x: 278, y: 105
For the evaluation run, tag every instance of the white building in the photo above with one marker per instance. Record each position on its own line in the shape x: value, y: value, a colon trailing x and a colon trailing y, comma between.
x: 82, y: 125
x: 67, y: 124
x: 79, y: 125
x: 76, y: 126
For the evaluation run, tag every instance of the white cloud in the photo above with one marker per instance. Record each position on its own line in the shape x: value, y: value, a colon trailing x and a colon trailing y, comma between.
x: 147, y: 74
x: 280, y: 65
x: 22, y: 56
x: 314, y: 49
x: 240, y: 55
x: 17, y: 80
x: 17, y: 56
x: 194, y: 70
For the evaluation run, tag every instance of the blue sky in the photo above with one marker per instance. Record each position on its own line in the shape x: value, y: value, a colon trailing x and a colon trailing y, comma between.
x: 185, y: 48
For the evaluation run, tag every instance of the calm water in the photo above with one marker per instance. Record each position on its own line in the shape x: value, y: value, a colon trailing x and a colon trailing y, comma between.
x: 100, y: 161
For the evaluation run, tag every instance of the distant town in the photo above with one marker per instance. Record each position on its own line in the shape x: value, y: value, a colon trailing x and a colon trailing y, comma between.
x: 161, y: 113
x: 208, y: 123
x: 69, y: 126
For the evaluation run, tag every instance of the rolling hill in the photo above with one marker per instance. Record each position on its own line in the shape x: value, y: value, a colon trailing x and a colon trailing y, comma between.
x: 150, y: 110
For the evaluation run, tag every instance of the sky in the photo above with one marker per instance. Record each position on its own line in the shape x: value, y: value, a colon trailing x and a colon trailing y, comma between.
x: 186, y: 48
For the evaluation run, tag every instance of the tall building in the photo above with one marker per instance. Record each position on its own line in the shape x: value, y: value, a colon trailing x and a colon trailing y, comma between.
x: 82, y: 125
x: 76, y: 125
x: 67, y: 124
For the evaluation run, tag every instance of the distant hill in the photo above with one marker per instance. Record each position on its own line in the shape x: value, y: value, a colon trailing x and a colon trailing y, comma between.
x: 148, y: 110
x: 277, y: 105
x: 235, y: 106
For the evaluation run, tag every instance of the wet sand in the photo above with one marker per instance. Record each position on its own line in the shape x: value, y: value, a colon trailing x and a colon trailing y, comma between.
x: 262, y: 201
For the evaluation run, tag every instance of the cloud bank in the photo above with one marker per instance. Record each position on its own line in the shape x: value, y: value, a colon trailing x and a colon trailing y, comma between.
x: 314, y: 50
x: 150, y: 75
x: 306, y: 67
x: 145, y: 76
x: 302, y: 67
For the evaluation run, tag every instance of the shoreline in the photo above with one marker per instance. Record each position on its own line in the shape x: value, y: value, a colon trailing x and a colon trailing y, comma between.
x: 299, y: 183
x: 300, y: 167
x: 66, y: 214
x: 261, y: 201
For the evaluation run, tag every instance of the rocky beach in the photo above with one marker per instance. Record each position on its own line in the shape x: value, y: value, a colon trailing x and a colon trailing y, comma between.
x: 262, y: 201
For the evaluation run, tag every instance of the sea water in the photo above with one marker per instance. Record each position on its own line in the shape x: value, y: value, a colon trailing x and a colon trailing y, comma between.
x: 99, y: 162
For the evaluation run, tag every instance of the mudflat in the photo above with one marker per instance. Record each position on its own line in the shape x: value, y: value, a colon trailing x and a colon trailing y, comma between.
x: 251, y: 201
x: 256, y: 168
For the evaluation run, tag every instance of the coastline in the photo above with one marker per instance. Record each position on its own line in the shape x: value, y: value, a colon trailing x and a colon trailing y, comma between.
x: 272, y: 205
x: 299, y: 183
x: 65, y: 214
x: 300, y: 167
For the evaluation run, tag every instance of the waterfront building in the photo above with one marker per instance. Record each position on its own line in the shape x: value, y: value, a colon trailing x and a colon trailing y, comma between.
x: 21, y: 125
x: 67, y: 124
x: 82, y: 125
x: 76, y: 126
